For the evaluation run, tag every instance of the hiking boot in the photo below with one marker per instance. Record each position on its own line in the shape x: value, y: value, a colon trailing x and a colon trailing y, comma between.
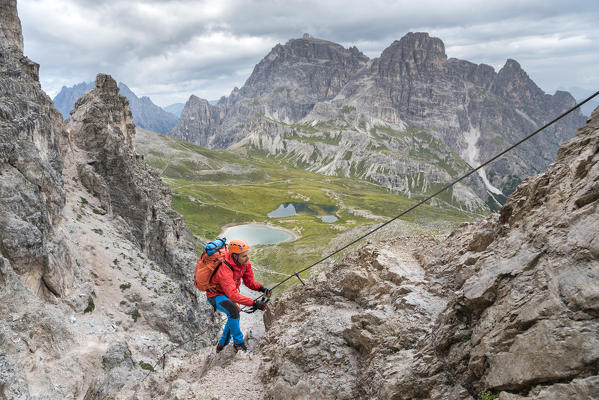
x: 220, y: 347
x: 240, y: 346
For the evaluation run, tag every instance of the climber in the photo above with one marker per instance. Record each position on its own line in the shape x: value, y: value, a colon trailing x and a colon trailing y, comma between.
x: 225, y: 296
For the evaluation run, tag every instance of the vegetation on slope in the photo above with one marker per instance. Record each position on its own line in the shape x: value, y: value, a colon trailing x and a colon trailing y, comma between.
x: 213, y: 189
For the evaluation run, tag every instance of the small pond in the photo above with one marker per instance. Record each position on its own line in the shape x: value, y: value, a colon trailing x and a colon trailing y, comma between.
x: 291, y: 209
x: 328, y: 218
x: 258, y: 234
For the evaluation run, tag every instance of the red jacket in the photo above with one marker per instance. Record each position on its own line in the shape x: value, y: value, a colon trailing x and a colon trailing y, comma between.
x: 227, y: 282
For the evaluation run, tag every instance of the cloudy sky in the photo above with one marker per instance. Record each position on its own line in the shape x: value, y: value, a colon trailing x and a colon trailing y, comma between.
x: 170, y: 49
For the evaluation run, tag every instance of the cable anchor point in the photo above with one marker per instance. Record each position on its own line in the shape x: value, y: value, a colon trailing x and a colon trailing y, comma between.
x: 300, y: 279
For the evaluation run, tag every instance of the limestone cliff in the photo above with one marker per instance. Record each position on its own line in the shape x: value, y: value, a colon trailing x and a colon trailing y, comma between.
x: 34, y: 260
x: 506, y: 306
x: 95, y: 266
x: 285, y: 85
x: 31, y: 185
x: 101, y: 124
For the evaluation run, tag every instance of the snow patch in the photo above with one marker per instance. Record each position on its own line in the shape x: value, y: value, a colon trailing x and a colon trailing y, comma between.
x: 526, y: 117
x: 471, y: 155
x: 491, y: 188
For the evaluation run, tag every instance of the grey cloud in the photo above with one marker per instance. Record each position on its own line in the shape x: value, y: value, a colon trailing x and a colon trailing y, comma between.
x: 340, y: 20
x: 207, y: 47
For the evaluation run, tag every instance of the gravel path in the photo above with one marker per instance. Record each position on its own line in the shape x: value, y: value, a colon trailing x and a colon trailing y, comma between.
x: 204, y: 374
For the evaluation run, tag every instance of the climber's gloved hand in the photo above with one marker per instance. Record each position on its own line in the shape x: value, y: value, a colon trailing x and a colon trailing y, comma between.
x: 259, y: 304
x: 266, y: 291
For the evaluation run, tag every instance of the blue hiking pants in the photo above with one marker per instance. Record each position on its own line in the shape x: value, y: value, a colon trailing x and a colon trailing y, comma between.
x: 232, y: 328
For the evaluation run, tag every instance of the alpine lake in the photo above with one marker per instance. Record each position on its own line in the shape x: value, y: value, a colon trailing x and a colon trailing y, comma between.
x: 324, y: 212
x: 261, y: 234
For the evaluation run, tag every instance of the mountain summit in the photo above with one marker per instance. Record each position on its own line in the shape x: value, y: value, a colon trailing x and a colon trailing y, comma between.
x: 288, y: 82
x: 317, y: 68
x: 415, y: 55
x: 409, y: 120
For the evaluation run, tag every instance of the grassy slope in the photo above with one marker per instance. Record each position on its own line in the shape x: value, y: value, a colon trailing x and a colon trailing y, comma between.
x: 411, y: 144
x: 212, y: 189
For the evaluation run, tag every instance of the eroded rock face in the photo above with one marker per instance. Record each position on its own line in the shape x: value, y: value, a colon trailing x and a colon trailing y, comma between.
x: 353, y: 328
x: 102, y: 125
x: 95, y: 267
x: 507, y: 305
x: 31, y: 185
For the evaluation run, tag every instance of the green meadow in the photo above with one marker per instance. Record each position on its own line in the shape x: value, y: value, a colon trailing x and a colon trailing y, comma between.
x: 214, y: 189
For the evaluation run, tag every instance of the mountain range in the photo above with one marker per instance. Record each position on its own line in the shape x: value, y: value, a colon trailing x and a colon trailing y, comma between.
x: 96, y: 271
x: 146, y: 114
x: 410, y: 120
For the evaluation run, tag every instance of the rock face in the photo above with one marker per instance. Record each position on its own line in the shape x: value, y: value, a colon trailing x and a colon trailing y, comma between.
x: 285, y: 85
x: 95, y: 266
x: 31, y: 186
x: 102, y: 125
x: 146, y: 114
x: 504, y: 306
x: 409, y: 120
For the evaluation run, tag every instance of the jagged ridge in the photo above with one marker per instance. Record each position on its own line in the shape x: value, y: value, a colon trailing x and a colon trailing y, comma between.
x: 146, y: 114
x: 336, y: 112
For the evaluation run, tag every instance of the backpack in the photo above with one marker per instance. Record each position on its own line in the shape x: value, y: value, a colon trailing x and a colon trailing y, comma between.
x: 208, y: 263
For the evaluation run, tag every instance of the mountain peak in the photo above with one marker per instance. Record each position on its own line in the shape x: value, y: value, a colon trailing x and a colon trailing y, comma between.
x: 106, y: 84
x: 511, y: 63
x: 421, y: 39
x: 317, y: 68
x: 513, y: 83
x: 193, y: 99
x: 311, y: 48
x: 413, y: 42
x: 122, y: 85
x: 512, y: 67
x: 414, y: 54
